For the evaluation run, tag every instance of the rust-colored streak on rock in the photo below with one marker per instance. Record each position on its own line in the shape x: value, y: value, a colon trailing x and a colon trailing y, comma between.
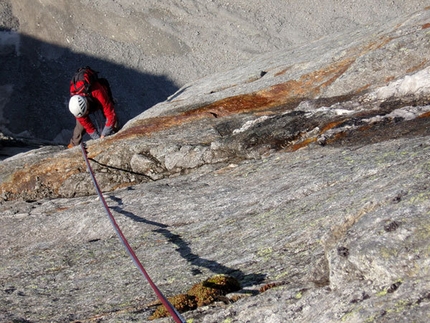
x: 301, y: 144
x: 151, y: 125
x: 331, y: 125
x: 383, y: 41
x: 307, y: 86
x: 425, y: 26
x: 282, y: 72
x: 362, y: 89
x: 280, y: 96
x: 389, y: 79
x: 307, y: 141
x: 48, y: 174
x: 417, y: 67
x: 425, y: 115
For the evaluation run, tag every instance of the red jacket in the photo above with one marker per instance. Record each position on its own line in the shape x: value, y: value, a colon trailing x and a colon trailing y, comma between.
x: 100, y: 100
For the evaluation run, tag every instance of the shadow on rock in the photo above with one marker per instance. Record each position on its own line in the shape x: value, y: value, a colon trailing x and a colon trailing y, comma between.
x: 34, y: 87
x: 185, y: 251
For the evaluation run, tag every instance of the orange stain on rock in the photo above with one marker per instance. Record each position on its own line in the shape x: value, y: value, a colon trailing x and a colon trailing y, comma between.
x: 424, y: 115
x: 331, y: 125
x: 301, y: 144
x: 280, y: 96
x: 417, y: 67
x: 282, y: 72
x: 363, y: 88
x: 307, y: 86
x: 47, y: 174
x: 307, y: 141
x: 389, y: 79
x: 286, y: 95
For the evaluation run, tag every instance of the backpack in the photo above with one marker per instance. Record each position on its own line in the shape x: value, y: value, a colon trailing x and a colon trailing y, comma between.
x: 84, y: 78
x: 104, y: 82
x: 82, y: 81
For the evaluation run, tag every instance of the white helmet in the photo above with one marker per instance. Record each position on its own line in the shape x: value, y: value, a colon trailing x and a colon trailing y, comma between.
x: 78, y: 105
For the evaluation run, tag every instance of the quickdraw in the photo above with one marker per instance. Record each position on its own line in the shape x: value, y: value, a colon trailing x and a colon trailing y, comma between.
x: 175, y: 314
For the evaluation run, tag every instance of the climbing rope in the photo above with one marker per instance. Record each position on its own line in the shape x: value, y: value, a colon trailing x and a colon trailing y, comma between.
x: 175, y: 314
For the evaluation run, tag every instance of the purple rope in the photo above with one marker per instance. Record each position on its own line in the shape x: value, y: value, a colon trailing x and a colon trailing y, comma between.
x: 175, y: 314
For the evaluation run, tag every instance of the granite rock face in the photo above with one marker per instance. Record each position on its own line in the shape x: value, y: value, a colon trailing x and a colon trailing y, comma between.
x: 149, y: 49
x: 303, y: 174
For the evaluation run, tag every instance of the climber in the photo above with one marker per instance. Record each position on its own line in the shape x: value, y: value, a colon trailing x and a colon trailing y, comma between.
x: 89, y: 94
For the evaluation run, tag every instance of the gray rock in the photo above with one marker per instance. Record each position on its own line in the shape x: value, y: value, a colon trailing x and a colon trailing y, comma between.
x: 308, y: 183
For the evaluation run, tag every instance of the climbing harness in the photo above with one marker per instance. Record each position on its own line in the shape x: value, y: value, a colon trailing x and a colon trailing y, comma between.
x: 175, y: 314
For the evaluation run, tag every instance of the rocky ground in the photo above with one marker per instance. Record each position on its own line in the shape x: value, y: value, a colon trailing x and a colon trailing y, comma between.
x: 342, y: 231
x: 302, y: 173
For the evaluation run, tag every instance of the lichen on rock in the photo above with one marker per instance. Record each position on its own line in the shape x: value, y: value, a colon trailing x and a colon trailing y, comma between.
x: 201, y: 294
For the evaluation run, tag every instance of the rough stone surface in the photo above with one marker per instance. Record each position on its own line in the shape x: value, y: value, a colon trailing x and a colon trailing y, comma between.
x: 336, y: 225
x: 303, y: 174
x: 150, y: 49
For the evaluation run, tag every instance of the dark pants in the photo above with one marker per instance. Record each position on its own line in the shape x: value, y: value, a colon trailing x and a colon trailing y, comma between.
x: 78, y: 133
